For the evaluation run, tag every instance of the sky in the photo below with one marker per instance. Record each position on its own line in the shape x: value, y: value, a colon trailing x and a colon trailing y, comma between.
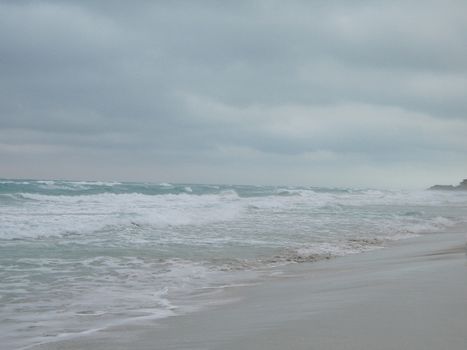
x: 324, y: 93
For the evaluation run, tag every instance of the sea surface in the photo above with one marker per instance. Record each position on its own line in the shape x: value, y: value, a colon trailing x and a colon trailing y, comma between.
x: 78, y: 256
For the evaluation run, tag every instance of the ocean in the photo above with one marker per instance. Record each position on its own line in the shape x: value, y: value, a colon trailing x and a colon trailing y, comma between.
x: 81, y: 256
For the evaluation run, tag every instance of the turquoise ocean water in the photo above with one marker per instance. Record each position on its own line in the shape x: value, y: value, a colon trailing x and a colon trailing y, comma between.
x: 78, y: 256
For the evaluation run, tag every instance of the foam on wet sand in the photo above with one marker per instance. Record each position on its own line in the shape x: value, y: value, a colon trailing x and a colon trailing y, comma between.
x: 412, y: 295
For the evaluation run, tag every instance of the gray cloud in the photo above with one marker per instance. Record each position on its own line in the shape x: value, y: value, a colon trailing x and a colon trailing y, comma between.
x: 215, y: 92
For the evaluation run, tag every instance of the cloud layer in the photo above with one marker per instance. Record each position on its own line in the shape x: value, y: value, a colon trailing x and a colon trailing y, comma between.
x: 325, y: 93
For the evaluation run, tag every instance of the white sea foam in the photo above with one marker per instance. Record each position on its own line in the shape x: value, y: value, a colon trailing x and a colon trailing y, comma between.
x: 46, y: 215
x: 43, y: 215
x: 15, y: 182
x: 94, y: 183
x: 73, y: 261
x: 96, y: 293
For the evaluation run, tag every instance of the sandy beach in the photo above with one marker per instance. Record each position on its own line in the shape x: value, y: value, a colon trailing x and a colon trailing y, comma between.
x: 220, y: 175
x: 411, y: 295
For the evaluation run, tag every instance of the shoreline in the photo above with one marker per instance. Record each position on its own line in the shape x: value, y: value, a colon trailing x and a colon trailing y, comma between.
x: 409, y: 295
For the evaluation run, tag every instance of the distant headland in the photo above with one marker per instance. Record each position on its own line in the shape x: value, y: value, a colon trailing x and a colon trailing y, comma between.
x: 461, y: 187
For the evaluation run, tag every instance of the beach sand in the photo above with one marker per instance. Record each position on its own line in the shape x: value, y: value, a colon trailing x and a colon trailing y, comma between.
x: 411, y: 295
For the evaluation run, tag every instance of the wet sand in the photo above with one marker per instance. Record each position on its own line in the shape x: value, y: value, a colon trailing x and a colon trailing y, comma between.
x: 412, y: 295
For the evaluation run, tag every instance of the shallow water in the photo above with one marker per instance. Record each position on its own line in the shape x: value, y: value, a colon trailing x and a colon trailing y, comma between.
x: 80, y: 256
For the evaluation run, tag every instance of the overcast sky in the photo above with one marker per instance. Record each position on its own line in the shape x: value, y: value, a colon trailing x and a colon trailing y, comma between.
x: 333, y: 93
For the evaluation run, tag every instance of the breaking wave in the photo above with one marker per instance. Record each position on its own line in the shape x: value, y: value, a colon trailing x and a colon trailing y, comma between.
x: 86, y: 254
